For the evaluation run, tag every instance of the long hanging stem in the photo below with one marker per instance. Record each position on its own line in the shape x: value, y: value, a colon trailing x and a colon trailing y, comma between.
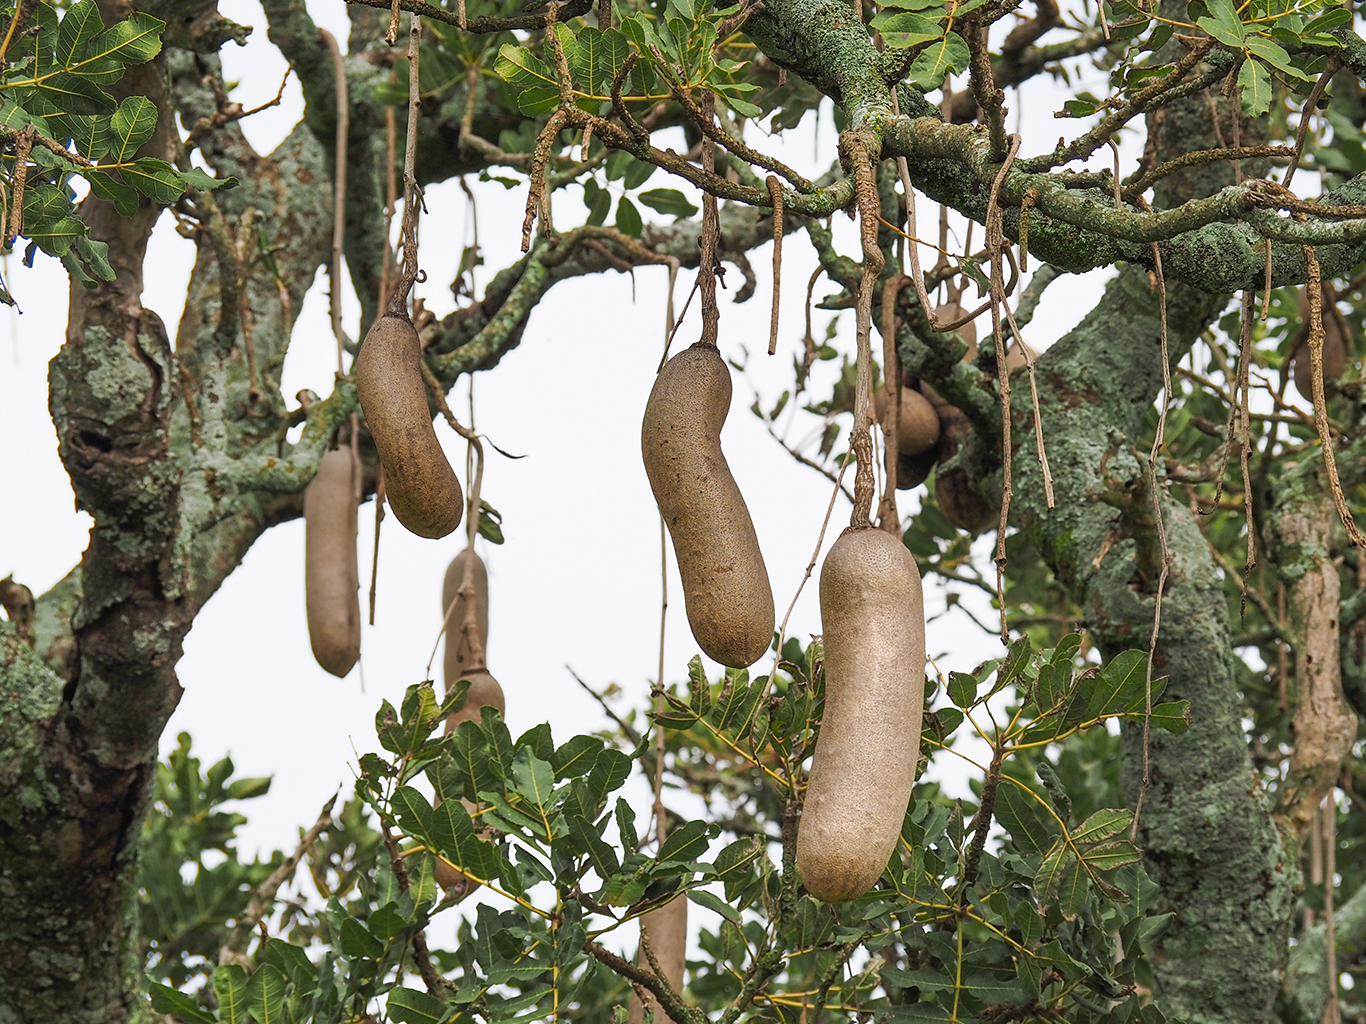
x: 412, y: 194
x: 861, y: 440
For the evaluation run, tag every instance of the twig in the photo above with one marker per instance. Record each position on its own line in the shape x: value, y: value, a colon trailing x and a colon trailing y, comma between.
x: 775, y: 191
x: 1201, y: 156
x: 630, y: 732
x: 386, y: 264
x: 1306, y: 112
x: 706, y: 276
x: 343, y: 111
x: 1158, y: 441
x: 469, y: 628
x: 421, y: 955
x: 861, y: 441
x: 1245, y: 443
x: 995, y: 242
x: 1314, y: 287
x: 412, y: 193
x: 264, y: 897
x: 888, y: 517
x: 379, y: 518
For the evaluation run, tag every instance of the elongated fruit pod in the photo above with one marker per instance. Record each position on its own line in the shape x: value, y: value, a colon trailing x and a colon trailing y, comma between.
x: 457, y: 643
x: 418, y: 481
x: 667, y: 929
x: 331, y: 576
x: 873, y: 627
x: 725, y: 584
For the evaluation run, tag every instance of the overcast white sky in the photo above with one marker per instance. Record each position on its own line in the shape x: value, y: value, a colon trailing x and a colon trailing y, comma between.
x: 577, y: 582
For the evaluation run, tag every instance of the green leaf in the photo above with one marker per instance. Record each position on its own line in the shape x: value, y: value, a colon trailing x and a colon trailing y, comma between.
x: 200, y: 181
x: 715, y: 904
x: 937, y: 60
x: 1330, y: 19
x: 414, y: 813
x: 1271, y: 52
x: 1174, y: 716
x: 519, y: 67
x: 266, y: 995
x: 901, y: 29
x: 356, y: 941
x: 79, y: 26
x: 576, y: 757
x: 628, y: 217
x: 135, y: 40
x: 57, y: 238
x: 413, y: 1007
x: 156, y: 179
x: 172, y: 1001
x: 1109, y: 856
x: 586, y: 59
x: 1072, y: 891
x: 12, y: 115
x: 534, y: 780
x: 962, y: 689
x: 602, y: 855
x: 1120, y: 684
x: 130, y: 126
x: 688, y: 842
x: 537, y: 101
x: 230, y: 985
x: 1223, y: 23
x: 668, y: 201
x: 290, y: 959
x: 1021, y: 816
x: 626, y: 825
x: 1255, y: 81
x: 1103, y: 824
x: 68, y: 94
x: 1050, y: 873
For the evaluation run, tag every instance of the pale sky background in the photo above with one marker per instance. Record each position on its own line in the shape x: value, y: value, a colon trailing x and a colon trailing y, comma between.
x: 577, y: 582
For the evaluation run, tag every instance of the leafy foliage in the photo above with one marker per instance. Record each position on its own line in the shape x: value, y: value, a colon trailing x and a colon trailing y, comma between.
x: 559, y: 863
x: 58, y: 122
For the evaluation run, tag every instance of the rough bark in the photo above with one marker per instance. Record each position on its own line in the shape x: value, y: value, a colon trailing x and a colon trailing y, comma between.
x: 1325, y: 726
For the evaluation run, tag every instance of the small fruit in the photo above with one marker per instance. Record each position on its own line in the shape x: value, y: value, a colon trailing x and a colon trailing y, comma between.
x: 457, y: 643
x: 725, y: 584
x: 667, y: 928
x: 873, y: 626
x: 418, y: 481
x: 331, y: 576
x: 917, y: 425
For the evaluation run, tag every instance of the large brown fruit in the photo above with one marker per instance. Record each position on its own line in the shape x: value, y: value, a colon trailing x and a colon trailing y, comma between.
x: 418, y: 481
x: 457, y: 643
x: 913, y: 470
x: 956, y: 494
x: 725, y: 584
x: 1334, y: 355
x: 484, y: 692
x: 667, y: 928
x: 873, y: 630
x: 917, y: 428
x: 331, y: 576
